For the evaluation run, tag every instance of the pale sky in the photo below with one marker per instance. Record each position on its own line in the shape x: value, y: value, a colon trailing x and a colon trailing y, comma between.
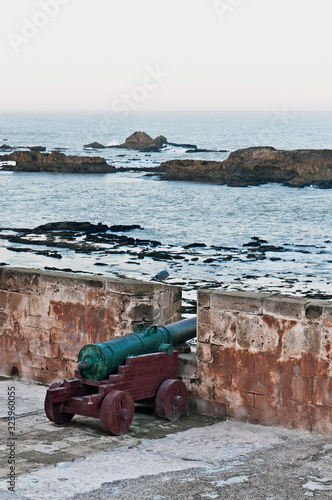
x: 174, y: 55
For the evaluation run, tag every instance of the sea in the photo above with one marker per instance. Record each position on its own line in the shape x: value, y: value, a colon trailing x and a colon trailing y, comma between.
x: 223, y: 226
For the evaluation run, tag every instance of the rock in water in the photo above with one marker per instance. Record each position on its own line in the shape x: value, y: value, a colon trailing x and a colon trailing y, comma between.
x: 27, y: 161
x: 37, y: 148
x: 258, y: 165
x: 94, y: 145
x: 86, y: 227
x: 143, y: 142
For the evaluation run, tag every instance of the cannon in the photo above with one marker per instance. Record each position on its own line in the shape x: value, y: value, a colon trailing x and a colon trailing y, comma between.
x: 141, y: 366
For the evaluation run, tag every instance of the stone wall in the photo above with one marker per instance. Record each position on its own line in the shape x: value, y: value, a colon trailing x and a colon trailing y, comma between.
x: 264, y: 359
x: 46, y: 317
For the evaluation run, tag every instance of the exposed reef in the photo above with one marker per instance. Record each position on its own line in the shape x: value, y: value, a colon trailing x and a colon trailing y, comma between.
x: 258, y: 165
x: 108, y: 246
x: 28, y: 161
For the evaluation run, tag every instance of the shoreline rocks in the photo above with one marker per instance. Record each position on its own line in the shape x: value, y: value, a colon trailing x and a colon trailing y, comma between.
x: 35, y: 161
x: 257, y: 165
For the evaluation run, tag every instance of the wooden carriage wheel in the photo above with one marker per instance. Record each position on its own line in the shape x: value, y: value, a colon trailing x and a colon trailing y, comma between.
x: 171, y: 399
x: 117, y: 412
x: 53, y: 410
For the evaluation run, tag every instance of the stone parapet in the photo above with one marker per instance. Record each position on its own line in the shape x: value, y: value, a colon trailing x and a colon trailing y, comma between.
x: 264, y: 358
x: 46, y: 317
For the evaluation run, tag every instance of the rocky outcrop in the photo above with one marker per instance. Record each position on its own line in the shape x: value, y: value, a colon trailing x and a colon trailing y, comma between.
x: 258, y: 165
x: 141, y: 141
x: 94, y: 145
x: 27, y: 161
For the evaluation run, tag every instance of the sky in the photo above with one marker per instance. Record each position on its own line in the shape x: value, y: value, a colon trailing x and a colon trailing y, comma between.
x: 102, y: 55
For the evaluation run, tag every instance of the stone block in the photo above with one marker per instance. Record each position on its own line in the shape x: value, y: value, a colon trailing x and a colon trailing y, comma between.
x: 18, y: 303
x: 38, y: 322
x: 207, y: 407
x: 327, y: 314
x: 203, y: 332
x: 272, y: 384
x: 188, y: 366
x: 245, y: 380
x: 223, y: 325
x: 240, y: 405
x: 265, y: 403
x: 284, y: 307
x: 223, y: 381
x: 35, y: 361
x: 295, y: 415
x: 296, y: 389
x: 262, y: 416
x: 60, y: 336
x: 312, y: 365
x: 237, y: 301
x: 203, y: 315
x: 67, y: 352
x: 20, y: 280
x: 322, y: 419
x: 322, y: 391
x: 39, y: 306
x: 206, y: 385
x: 293, y: 340
x: 40, y: 345
x: 235, y: 358
x: 203, y: 298
x: 3, y: 300
x: 3, y: 319
x: 313, y: 333
x: 143, y: 313
x: 69, y: 316
x: 204, y: 352
x: 256, y: 332
x: 54, y: 365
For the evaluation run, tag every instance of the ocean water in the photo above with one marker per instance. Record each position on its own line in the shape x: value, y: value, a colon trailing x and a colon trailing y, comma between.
x: 294, y: 223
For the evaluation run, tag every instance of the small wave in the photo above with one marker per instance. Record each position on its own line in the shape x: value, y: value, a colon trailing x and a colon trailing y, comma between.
x: 173, y: 149
x: 113, y: 142
x: 7, y: 163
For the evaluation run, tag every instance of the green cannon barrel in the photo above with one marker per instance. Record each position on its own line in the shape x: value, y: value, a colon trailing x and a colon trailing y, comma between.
x: 97, y: 361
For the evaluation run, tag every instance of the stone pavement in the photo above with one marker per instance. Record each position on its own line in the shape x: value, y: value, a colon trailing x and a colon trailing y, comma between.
x: 194, y: 458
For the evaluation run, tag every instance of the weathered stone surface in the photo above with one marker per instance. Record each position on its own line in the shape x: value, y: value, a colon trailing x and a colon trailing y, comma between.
x: 268, y: 359
x: 28, y: 161
x: 237, y: 301
x: 258, y: 165
x: 46, y: 317
x: 285, y: 307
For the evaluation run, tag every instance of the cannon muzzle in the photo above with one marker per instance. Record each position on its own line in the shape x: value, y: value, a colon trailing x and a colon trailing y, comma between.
x: 97, y: 361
